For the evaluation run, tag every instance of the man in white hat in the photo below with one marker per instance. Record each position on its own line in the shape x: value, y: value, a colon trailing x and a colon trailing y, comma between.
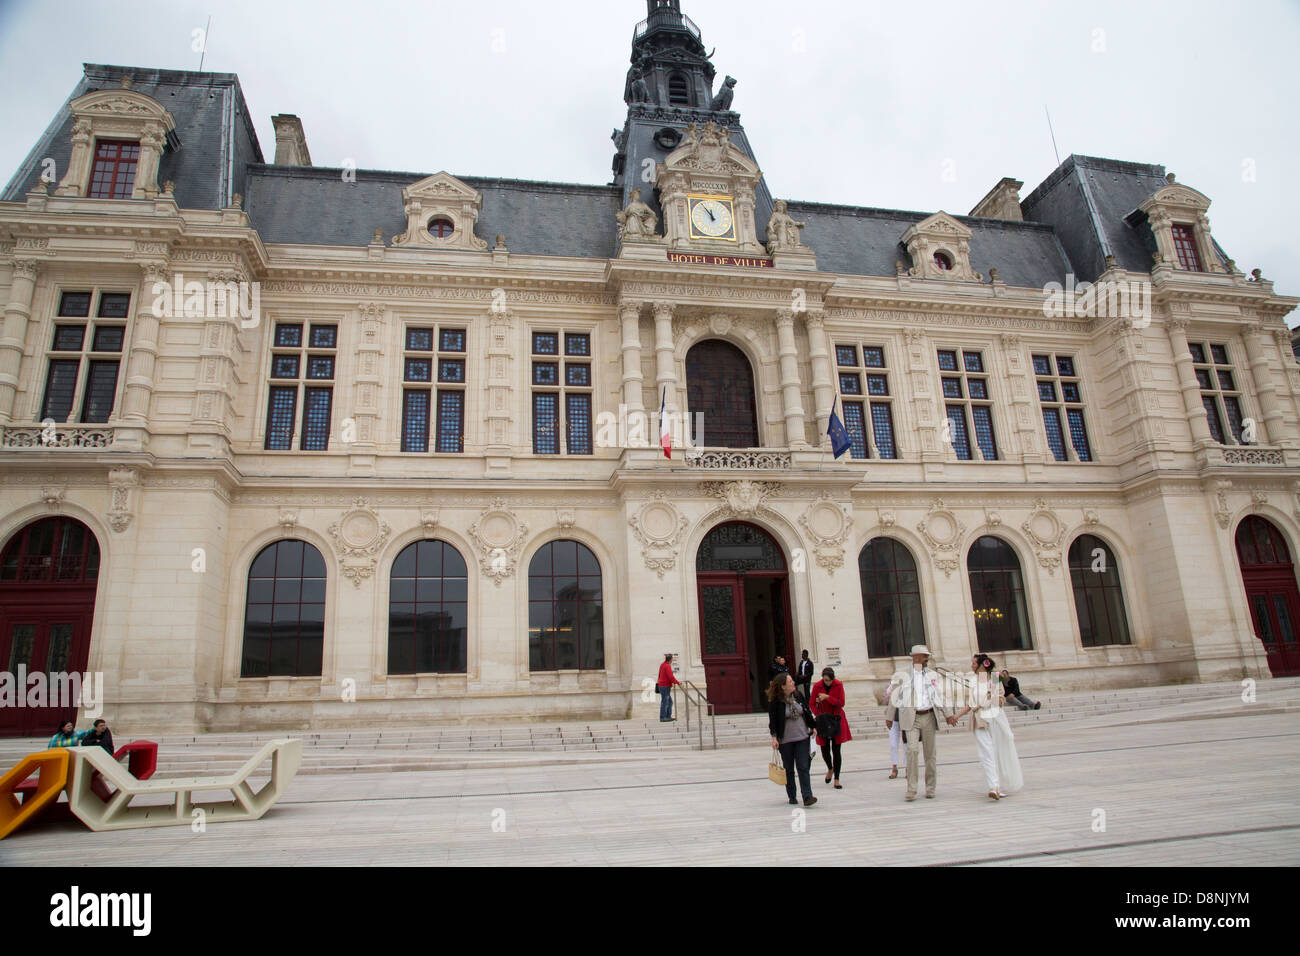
x: 920, y: 705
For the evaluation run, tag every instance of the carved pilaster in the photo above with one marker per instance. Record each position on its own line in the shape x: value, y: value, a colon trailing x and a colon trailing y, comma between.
x: 369, y: 378
x: 629, y: 313
x: 498, y: 417
x: 17, y: 312
x: 155, y: 281
x: 1197, y: 420
x: 791, y: 387
x: 665, y: 368
x: 823, y: 387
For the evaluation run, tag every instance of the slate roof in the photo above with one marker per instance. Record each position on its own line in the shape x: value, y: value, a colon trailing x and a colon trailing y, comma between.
x: 1073, y: 219
x: 313, y: 205
x: 203, y: 105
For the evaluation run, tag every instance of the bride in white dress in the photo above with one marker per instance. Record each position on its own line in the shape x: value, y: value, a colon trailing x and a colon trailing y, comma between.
x: 994, y: 742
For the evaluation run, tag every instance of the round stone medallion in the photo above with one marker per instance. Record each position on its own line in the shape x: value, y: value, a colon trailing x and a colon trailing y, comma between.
x: 658, y: 521
x: 360, y: 530
x: 826, y: 521
x: 498, y: 530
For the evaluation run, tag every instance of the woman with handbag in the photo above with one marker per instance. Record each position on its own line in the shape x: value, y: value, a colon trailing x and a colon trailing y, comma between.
x: 832, y: 722
x: 790, y: 723
x: 994, y: 741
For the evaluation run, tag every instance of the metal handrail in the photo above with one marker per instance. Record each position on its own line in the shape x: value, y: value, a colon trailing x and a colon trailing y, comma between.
x: 693, y: 695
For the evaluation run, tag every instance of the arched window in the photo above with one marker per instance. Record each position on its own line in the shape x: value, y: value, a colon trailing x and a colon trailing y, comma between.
x: 720, y: 385
x: 566, y: 629
x: 427, y: 600
x: 1259, y: 543
x: 679, y: 90
x: 997, y: 591
x: 284, y: 615
x: 891, y: 598
x: 1098, y: 596
x: 51, y: 551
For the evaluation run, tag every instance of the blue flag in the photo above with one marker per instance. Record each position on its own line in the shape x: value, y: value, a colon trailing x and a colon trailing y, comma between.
x: 839, y: 437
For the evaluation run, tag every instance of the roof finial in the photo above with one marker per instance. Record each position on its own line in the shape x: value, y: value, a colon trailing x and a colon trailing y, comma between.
x: 127, y: 80
x: 1169, y: 178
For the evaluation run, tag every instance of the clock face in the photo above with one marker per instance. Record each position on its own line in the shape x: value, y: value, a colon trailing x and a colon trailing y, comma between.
x: 712, y: 218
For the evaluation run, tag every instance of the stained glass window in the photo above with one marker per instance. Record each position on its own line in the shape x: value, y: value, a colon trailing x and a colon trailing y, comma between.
x: 415, y: 420
x: 1055, y: 437
x: 882, y: 422
x: 316, y: 419
x: 854, y: 426
x: 451, y: 421
x: 577, y: 413
x: 280, y: 410
x: 546, y: 438
x: 720, y: 383
x: 957, y: 431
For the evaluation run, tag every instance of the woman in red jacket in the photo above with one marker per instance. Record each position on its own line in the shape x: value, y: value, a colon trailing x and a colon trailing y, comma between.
x: 828, y: 702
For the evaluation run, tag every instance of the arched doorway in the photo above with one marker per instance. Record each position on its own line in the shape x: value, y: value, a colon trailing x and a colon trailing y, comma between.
x: 744, y: 599
x: 1269, y: 579
x: 720, y: 386
x: 48, y: 574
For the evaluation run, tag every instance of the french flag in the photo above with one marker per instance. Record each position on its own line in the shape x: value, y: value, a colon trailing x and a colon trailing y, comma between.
x: 665, y: 433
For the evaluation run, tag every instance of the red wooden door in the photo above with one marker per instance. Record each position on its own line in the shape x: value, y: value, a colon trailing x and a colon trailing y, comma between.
x: 1275, y: 612
x: 47, y: 641
x: 1269, y: 578
x: 723, y: 642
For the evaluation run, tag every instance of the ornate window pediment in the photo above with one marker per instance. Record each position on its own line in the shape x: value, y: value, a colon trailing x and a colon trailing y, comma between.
x: 708, y: 164
x: 940, y: 248
x: 117, y: 114
x: 441, y: 212
x: 1179, y: 205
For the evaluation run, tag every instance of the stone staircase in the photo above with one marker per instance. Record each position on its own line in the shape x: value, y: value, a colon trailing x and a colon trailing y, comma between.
x: 452, y: 747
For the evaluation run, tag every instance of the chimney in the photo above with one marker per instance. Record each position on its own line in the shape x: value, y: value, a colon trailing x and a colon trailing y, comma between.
x: 1002, y: 201
x: 290, y: 141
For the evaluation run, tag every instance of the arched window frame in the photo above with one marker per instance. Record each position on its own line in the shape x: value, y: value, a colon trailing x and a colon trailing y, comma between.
x: 1080, y: 560
x: 589, y: 652
x: 707, y: 439
x: 986, y: 625
x: 446, y: 654
x: 315, y: 632
x: 899, y: 600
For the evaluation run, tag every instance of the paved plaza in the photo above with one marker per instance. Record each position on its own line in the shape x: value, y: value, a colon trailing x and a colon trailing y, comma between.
x: 1170, y: 787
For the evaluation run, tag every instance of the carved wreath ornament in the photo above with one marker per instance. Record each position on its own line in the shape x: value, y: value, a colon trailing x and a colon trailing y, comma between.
x: 828, y: 525
x: 659, y: 527
x: 1045, y: 530
x: 358, y: 535
x: 942, y: 531
x: 498, y: 535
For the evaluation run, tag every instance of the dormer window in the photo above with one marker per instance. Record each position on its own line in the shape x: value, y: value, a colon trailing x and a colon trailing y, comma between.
x: 1185, y: 246
x: 941, y: 261
x: 679, y: 91
x: 113, y: 175
x: 441, y: 227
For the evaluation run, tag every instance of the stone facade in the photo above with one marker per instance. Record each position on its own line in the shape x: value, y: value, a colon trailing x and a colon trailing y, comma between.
x: 182, y: 494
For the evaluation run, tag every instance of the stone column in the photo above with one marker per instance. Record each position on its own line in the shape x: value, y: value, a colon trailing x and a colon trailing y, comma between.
x: 630, y: 314
x: 18, y: 310
x: 144, y: 346
x: 1196, y: 416
x: 1205, y: 245
x: 822, y: 383
x: 77, y: 176
x: 790, y: 383
x: 1265, y: 386
x: 665, y: 368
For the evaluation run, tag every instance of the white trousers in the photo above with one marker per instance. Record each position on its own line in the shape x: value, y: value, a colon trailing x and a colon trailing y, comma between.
x: 895, y: 740
x: 988, y: 758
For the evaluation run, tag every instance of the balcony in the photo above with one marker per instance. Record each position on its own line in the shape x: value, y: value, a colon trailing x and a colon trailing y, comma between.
x: 666, y: 19
x: 77, y: 437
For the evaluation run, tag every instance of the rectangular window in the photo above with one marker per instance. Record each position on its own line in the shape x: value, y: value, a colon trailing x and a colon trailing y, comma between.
x: 957, y: 431
x: 316, y: 418
x: 1061, y: 401
x: 568, y: 382
x: 577, y: 414
x: 545, y: 423
x: 451, y: 370
x: 74, y: 305
x: 419, y: 340
x: 1220, y: 396
x: 288, y: 336
x: 324, y: 336
x: 418, y: 370
x: 878, y: 439
x: 415, y: 420
x: 969, y: 381
x: 108, y: 338
x: 101, y: 385
x: 1189, y: 256
x: 68, y: 338
x: 280, y: 417
x: 113, y: 174
x: 882, y: 423
x: 114, y: 305
x: 320, y: 366
x: 59, y: 389
x: 451, y: 340
x: 856, y: 429
x: 451, y: 420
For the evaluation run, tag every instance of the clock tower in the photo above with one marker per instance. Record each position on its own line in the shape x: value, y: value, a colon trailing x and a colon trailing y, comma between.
x: 671, y: 101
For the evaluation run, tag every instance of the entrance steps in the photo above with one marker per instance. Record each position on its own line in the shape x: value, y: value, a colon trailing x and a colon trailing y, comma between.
x: 444, y: 747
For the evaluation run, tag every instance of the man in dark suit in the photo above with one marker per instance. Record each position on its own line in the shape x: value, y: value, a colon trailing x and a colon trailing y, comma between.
x: 805, y: 675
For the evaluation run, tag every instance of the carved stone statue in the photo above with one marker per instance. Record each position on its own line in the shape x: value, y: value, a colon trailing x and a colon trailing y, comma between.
x: 782, y: 230
x: 723, y: 100
x: 637, y: 222
x: 639, y: 92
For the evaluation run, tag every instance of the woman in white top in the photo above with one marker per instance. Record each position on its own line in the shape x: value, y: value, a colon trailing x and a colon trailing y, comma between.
x: 994, y: 741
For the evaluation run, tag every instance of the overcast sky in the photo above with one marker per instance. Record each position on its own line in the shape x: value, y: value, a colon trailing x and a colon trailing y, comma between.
x: 899, y: 105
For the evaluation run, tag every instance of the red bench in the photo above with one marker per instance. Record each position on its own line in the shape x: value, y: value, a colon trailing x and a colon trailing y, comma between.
x: 141, y: 762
